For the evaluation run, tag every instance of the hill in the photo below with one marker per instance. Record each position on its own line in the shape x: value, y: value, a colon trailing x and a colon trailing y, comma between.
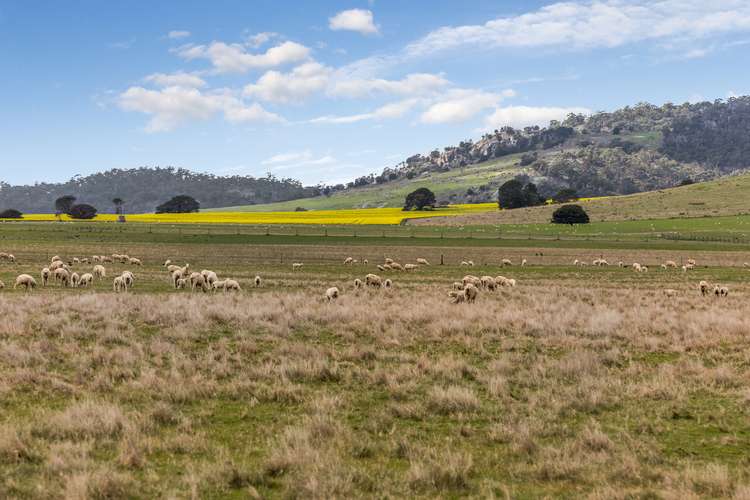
x: 722, y: 197
x: 634, y: 149
x: 145, y: 188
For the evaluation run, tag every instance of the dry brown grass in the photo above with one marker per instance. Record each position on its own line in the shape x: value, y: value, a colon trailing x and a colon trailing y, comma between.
x: 575, y: 383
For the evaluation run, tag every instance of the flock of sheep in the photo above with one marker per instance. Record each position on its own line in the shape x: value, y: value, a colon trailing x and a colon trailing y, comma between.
x: 465, y: 291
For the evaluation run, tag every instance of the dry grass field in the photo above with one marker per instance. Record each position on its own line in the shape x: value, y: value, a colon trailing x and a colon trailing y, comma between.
x: 579, y: 382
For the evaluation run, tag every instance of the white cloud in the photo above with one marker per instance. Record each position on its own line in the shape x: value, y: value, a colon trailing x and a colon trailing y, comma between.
x: 696, y: 53
x: 526, y: 116
x: 258, y: 39
x: 288, y: 157
x: 301, y: 82
x: 389, y: 111
x: 413, y: 84
x: 595, y: 23
x: 178, y: 79
x: 461, y: 104
x: 233, y: 58
x: 173, y: 106
x: 178, y: 34
x: 359, y: 20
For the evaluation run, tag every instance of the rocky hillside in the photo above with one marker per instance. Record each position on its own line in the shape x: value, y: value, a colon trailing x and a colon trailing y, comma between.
x: 634, y: 149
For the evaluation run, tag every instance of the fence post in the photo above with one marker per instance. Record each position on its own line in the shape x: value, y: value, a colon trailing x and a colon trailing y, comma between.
x: 441, y: 260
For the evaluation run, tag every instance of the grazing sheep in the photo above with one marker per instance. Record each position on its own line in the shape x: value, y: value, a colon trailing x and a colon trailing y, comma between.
x: 524, y: 262
x: 691, y: 262
x: 386, y: 267
x: 177, y: 275
x: 58, y: 264
x: 99, y: 271
x: 108, y: 260
x: 348, y: 261
x: 45, y: 276
x: 423, y: 262
x: 172, y: 268
x: 373, y: 280
x: 388, y: 284
x: 471, y: 263
x: 180, y: 284
x: 209, y: 276
x: 704, y: 287
x: 464, y: 263
x: 721, y: 291
x: 397, y: 266
x: 746, y: 264
x: 135, y: 262
x: 457, y: 296
x: 671, y: 263
x: 76, y: 260
x: 63, y: 276
x: 644, y: 269
x: 167, y: 262
x: 473, y: 280
x: 94, y: 258
x: 365, y: 262
x: 636, y: 267
x: 2, y: 285
x: 332, y: 294
x: 507, y: 262
x: 357, y: 283
x: 511, y: 282
x: 664, y: 266
x: 410, y: 267
x: 388, y: 261
x: 129, y: 278
x: 670, y: 292
x: 488, y: 282
x: 457, y: 285
x: 381, y: 268
x: 621, y: 264
x: 197, y: 280
x: 471, y: 292
x: 118, y: 285
x: 25, y: 281
x: 75, y: 280
x: 232, y: 286
x: 257, y: 281
x: 600, y: 262
x: 85, y: 260
x: 86, y: 280
x: 575, y: 262
x: 297, y: 266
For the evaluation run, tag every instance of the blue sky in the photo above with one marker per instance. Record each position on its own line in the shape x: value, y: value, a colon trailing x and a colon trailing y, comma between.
x: 327, y: 91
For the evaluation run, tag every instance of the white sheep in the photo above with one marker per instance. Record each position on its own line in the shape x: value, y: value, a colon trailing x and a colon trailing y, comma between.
x: 621, y: 264
x: 397, y: 266
x: 257, y: 282
x: 457, y: 296
x: 388, y: 284
x: 2, y: 285
x: 357, y: 283
x: 129, y: 278
x: 471, y: 292
x: 232, y: 286
x: 348, y: 261
x: 45, y: 276
x: 469, y: 279
x: 373, y: 280
x: 457, y: 285
x: 636, y: 267
x: 670, y: 292
x: 691, y: 262
x: 704, y: 287
x: 197, y: 280
x: 63, y: 276
x: 410, y: 267
x: 423, y: 262
x: 507, y: 262
x: 297, y: 266
x: 524, y: 262
x: 385, y: 267
x: 58, y: 264
x: 721, y: 291
x: 365, y: 262
x: 488, y: 283
x: 75, y: 280
x: 209, y: 276
x: 172, y: 268
x: 85, y: 260
x: 118, y: 285
x: 464, y: 263
x: 94, y: 258
x: 332, y: 294
x: 99, y: 271
x: 177, y: 275
x: 575, y: 262
x: 670, y: 263
x: 218, y: 285
x: 55, y: 259
x: 644, y: 269
x: 25, y: 281
x: 167, y: 262
x: 180, y: 284
x: 389, y: 261
x: 86, y: 280
x: 135, y: 262
x: 381, y: 268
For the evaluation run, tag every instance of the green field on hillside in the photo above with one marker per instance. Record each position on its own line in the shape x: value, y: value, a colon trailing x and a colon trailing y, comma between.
x: 393, y: 194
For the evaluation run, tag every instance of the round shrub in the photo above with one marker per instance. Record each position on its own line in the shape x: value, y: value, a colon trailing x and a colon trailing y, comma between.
x: 570, y: 214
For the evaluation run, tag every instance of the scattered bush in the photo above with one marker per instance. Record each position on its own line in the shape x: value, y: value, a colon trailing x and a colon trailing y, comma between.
x: 82, y: 211
x: 182, y: 204
x: 11, y: 213
x: 421, y: 199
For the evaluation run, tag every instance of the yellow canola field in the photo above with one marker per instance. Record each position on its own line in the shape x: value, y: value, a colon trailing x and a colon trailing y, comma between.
x: 375, y: 216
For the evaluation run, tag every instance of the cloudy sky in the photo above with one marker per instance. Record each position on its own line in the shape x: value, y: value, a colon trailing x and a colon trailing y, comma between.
x: 326, y: 91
